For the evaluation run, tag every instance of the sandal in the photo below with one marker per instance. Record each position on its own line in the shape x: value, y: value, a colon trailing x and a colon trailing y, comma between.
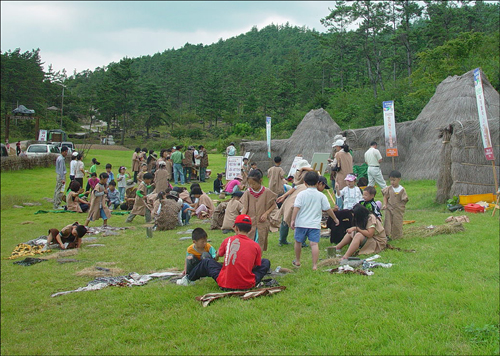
x: 295, y: 264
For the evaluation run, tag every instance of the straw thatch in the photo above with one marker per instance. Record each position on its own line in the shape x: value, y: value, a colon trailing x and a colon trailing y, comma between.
x: 419, y: 145
x: 465, y: 169
x: 314, y: 134
x: 16, y: 163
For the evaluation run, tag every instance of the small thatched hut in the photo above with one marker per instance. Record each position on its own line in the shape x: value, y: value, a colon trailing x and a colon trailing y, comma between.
x: 421, y: 151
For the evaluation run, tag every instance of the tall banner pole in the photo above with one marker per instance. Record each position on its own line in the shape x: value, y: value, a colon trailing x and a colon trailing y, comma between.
x: 268, y: 132
x: 391, y: 146
x: 483, y: 123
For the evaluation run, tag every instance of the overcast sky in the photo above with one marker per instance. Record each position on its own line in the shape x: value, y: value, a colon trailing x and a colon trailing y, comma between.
x: 85, y: 34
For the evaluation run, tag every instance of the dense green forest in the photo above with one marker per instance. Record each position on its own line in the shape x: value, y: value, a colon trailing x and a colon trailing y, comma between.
x: 372, y: 51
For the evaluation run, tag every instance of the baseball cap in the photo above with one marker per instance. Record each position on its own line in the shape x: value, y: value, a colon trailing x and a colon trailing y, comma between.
x: 243, y: 219
x: 75, y: 154
x: 324, y: 181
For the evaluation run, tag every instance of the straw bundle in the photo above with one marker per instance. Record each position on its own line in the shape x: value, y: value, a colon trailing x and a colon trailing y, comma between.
x: 15, y: 163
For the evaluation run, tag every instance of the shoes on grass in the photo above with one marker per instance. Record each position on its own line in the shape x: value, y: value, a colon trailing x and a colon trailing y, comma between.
x: 184, y: 281
x: 284, y: 243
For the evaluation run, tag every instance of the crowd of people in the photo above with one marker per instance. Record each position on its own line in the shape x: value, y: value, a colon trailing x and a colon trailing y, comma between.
x: 296, y: 202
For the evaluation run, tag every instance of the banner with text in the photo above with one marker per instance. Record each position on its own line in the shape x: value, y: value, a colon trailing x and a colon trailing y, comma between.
x: 42, y: 135
x: 483, y: 119
x: 233, y: 166
x: 268, y: 132
x: 391, y: 146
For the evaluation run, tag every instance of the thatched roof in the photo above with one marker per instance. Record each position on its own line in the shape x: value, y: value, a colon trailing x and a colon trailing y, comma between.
x: 418, y: 143
x: 314, y: 134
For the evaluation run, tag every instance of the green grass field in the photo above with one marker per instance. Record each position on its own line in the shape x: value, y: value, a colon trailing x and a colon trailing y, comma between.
x: 443, y: 299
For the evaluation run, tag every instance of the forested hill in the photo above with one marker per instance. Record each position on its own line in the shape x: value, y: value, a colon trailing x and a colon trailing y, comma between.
x: 400, y: 51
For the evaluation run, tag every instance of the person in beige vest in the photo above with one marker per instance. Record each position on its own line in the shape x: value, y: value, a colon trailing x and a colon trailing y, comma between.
x: 276, y: 176
x: 344, y: 162
x: 233, y: 209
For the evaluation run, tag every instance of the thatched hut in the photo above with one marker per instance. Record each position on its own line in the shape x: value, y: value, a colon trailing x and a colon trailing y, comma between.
x: 419, y: 145
x: 314, y: 134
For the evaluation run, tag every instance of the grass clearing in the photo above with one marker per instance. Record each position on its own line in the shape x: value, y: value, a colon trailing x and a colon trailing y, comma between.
x: 442, y: 299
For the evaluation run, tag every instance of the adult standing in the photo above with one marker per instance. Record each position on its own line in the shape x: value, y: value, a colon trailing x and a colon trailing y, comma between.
x: 373, y: 159
x: 79, y: 169
x: 18, y: 148
x: 231, y: 150
x: 60, y: 177
x: 136, y: 162
x: 177, y: 157
x: 344, y: 162
x: 203, y: 156
x: 188, y: 163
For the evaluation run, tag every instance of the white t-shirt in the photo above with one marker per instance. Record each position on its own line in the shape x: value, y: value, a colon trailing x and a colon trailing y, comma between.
x: 352, y: 196
x: 72, y: 167
x: 78, y: 172
x: 372, y: 157
x: 312, y: 203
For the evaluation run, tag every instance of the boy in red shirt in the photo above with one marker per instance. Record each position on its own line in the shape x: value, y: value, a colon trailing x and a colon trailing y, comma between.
x: 242, y: 268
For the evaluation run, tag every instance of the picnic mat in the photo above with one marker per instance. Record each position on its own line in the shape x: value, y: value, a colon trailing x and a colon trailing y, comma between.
x: 130, y: 280
x: 208, y: 298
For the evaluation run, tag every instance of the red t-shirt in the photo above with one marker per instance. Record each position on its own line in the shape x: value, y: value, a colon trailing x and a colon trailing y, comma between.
x: 241, y: 255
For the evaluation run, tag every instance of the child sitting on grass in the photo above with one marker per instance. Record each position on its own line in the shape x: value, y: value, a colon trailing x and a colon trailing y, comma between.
x: 367, y: 234
x: 70, y: 236
x: 204, y: 206
x: 368, y: 201
x: 113, y: 195
x: 233, y: 209
x: 218, y: 184
x: 198, y: 250
x: 307, y: 213
x: 395, y: 199
x: 243, y: 266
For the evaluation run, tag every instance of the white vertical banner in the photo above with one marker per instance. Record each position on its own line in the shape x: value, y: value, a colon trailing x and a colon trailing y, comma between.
x: 391, y: 144
x: 268, y: 132
x: 42, y: 135
x: 483, y: 119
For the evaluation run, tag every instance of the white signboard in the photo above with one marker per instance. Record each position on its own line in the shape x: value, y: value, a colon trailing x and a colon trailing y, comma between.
x: 320, y: 162
x: 293, y: 168
x: 42, y: 135
x: 391, y: 145
x: 233, y: 166
x: 483, y: 119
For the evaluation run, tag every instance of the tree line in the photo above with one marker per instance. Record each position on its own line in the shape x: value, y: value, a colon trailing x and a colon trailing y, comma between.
x: 372, y: 51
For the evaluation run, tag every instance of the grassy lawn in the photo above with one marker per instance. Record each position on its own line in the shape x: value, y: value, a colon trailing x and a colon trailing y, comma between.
x: 442, y: 299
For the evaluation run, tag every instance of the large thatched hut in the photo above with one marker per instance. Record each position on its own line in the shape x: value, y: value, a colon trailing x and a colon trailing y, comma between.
x: 419, y: 143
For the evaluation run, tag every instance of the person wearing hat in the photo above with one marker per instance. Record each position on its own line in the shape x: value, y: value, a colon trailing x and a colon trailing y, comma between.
x: 72, y: 166
x: 233, y: 209
x: 344, y: 164
x: 161, y: 178
x: 373, y: 159
x: 351, y: 194
x: 243, y: 266
x: 233, y: 186
x: 302, y: 168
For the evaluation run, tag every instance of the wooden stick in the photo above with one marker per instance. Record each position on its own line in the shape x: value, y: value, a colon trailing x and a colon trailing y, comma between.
x: 393, y: 163
x: 495, y: 175
x: 496, y: 204
x: 331, y: 196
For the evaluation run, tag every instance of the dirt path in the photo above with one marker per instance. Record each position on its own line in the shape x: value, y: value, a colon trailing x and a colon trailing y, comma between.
x: 109, y: 147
